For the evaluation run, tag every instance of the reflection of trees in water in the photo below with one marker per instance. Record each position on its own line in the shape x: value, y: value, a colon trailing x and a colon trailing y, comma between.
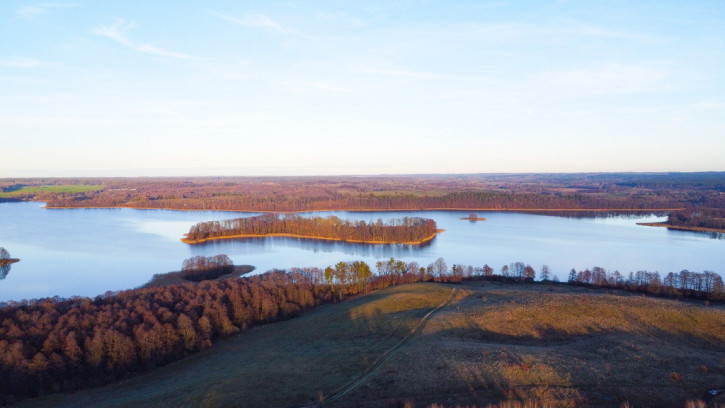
x: 717, y: 235
x: 596, y: 214
x: 5, y: 261
x: 257, y: 244
x: 4, y: 270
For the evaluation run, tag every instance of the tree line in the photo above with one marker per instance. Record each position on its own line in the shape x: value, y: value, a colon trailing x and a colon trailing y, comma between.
x: 474, y: 200
x: 408, y: 229
x: 703, y: 285
x: 698, y: 218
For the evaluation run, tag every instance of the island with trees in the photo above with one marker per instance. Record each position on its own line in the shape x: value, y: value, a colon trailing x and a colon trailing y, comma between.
x: 473, y: 217
x: 408, y: 230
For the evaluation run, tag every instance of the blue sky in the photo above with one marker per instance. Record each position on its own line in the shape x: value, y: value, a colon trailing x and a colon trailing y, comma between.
x: 137, y: 88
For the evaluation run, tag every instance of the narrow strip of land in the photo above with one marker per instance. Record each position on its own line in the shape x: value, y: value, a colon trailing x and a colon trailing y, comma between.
x: 390, y: 352
x: 681, y: 227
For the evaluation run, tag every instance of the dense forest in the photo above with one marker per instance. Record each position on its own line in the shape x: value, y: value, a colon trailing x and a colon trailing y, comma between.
x: 709, y: 218
x: 53, y: 345
x: 587, y: 191
x: 405, y: 230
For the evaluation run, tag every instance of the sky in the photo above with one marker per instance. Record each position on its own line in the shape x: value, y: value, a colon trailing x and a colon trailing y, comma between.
x: 183, y: 88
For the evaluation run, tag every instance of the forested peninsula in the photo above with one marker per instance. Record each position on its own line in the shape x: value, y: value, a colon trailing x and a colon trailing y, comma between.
x: 408, y: 230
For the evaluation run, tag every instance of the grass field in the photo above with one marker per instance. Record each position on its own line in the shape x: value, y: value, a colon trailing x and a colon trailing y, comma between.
x: 70, y: 188
x: 556, y: 343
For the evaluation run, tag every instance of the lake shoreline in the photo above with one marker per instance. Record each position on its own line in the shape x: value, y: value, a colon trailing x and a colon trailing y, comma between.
x: 680, y: 228
x: 593, y: 210
x: 200, y: 241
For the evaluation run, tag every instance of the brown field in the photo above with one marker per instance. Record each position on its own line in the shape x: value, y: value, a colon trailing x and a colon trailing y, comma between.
x: 558, y: 344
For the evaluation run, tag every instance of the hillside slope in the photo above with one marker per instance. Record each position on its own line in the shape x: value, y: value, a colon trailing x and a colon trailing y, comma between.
x: 492, y: 341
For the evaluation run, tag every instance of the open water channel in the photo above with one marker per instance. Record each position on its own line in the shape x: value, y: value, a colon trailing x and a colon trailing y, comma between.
x: 86, y: 252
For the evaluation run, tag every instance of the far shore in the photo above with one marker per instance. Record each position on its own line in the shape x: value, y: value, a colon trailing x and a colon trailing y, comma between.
x: 643, y: 210
x: 8, y: 261
x: 199, y: 241
x: 681, y: 228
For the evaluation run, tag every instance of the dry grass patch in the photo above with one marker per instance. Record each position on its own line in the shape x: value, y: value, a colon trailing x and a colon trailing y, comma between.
x: 554, y: 317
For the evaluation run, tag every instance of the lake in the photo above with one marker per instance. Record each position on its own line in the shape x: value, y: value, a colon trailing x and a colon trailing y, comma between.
x: 86, y: 252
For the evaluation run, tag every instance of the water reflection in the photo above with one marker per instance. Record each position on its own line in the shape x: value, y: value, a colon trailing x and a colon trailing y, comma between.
x: 4, y: 271
x: 717, y: 235
x: 252, y: 245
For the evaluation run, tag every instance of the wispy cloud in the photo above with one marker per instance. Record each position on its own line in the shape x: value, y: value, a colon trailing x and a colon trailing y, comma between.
x: 342, y: 18
x: 256, y: 21
x: 327, y: 87
x: 709, y: 105
x: 42, y: 8
x: 403, y: 73
x: 117, y: 33
x: 609, y: 78
x: 24, y: 63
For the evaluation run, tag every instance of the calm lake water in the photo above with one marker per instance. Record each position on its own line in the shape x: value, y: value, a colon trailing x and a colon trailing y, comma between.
x: 87, y: 252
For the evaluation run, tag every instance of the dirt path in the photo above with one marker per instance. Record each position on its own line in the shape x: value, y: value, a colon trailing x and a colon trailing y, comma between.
x: 390, y: 352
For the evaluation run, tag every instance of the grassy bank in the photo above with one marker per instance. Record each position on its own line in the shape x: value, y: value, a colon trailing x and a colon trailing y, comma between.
x: 557, y: 343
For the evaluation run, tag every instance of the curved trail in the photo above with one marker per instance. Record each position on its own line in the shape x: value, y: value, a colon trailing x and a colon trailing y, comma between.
x: 390, y: 352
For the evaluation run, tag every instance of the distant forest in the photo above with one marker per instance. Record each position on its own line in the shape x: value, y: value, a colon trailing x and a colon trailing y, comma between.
x: 616, y: 191
x: 408, y: 229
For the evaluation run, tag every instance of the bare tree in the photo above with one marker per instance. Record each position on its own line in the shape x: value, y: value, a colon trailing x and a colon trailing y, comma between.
x: 545, y: 273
